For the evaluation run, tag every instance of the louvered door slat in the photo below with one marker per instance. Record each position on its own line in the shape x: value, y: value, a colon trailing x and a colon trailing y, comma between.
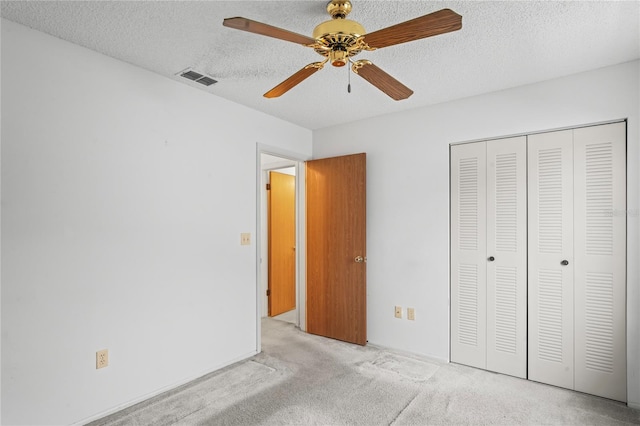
x: 468, y: 265
x: 507, y: 243
x: 600, y: 365
x: 550, y: 284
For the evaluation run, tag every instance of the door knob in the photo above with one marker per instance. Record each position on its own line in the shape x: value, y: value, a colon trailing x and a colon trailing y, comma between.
x: 491, y: 258
x: 564, y: 262
x: 359, y: 259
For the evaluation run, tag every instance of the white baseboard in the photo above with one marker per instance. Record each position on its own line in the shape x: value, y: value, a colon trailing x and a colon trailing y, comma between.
x: 408, y: 353
x: 633, y: 405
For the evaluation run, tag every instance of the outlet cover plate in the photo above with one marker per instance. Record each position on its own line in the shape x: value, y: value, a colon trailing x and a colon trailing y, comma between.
x: 411, y: 314
x: 102, y: 358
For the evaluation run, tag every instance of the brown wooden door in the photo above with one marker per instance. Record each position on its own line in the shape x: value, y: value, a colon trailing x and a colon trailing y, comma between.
x: 282, y: 243
x: 336, y: 248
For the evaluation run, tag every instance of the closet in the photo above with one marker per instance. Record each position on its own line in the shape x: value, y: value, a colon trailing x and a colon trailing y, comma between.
x: 489, y: 255
x: 538, y: 257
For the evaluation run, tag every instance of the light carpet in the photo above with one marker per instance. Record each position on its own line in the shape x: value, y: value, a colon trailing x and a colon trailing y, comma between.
x: 302, y: 379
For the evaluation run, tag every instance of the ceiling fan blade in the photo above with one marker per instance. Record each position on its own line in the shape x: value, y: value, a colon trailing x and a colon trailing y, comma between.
x: 256, y: 27
x: 381, y: 80
x: 294, y: 80
x: 440, y: 22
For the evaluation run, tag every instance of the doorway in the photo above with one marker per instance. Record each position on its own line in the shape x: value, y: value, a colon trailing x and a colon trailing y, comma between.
x: 345, y: 181
x: 281, y: 242
x: 273, y: 161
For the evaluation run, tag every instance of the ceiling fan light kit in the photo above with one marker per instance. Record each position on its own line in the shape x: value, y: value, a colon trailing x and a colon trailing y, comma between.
x: 340, y: 38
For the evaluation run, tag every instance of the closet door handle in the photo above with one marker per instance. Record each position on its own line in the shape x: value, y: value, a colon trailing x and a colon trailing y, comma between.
x: 491, y: 258
x: 564, y: 262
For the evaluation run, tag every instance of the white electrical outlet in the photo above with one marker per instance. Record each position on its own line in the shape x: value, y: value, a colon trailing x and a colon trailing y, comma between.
x: 102, y: 358
x: 411, y: 314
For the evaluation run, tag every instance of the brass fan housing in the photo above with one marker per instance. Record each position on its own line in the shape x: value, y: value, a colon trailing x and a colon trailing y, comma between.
x: 339, y: 9
x: 339, y: 38
x: 339, y: 26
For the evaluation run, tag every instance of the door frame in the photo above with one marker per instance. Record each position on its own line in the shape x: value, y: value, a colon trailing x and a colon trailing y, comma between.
x: 298, y: 161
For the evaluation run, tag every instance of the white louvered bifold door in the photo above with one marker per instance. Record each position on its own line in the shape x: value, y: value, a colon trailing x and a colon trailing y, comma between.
x: 550, y: 284
x: 600, y: 257
x: 468, y: 247
x: 506, y: 256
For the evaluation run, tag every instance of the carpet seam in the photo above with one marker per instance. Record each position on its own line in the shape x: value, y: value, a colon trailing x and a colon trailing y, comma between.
x: 404, y: 408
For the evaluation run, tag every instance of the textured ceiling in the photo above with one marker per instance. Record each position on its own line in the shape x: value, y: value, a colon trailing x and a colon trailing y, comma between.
x: 501, y: 45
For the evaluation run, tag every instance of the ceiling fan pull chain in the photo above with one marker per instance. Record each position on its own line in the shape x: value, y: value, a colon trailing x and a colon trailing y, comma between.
x: 349, y: 85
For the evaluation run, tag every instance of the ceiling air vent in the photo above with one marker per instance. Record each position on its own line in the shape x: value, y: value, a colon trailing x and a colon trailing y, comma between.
x: 197, y: 77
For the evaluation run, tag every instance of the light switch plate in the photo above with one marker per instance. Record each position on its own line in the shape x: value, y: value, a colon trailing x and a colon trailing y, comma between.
x: 245, y: 239
x: 398, y: 312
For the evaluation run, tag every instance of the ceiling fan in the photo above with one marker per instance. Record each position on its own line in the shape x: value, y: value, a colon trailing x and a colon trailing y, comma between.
x: 339, y: 39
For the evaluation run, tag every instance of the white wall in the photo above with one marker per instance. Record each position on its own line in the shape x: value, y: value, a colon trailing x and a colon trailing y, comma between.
x: 408, y: 194
x: 123, y: 198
